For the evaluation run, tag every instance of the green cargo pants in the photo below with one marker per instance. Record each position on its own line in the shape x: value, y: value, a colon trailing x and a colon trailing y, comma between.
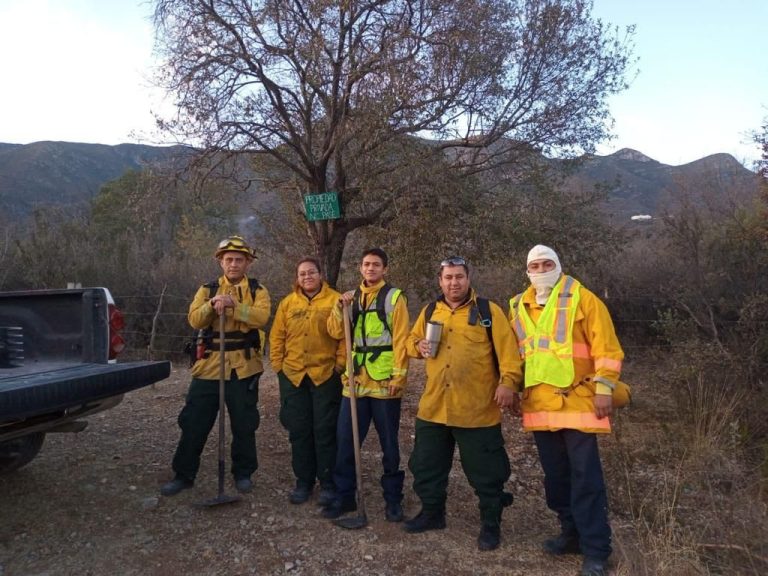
x: 309, y: 413
x: 199, y: 415
x: 483, y: 458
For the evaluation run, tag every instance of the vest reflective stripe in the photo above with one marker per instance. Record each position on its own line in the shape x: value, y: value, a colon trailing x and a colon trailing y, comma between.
x: 561, y: 318
x: 373, y: 349
x: 522, y: 338
x: 562, y: 419
x: 547, y: 346
x: 581, y: 350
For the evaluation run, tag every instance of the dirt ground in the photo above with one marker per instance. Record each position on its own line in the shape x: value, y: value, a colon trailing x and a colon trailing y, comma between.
x: 89, y: 504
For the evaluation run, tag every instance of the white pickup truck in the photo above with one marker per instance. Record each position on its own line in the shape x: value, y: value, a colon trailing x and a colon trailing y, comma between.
x: 58, y: 364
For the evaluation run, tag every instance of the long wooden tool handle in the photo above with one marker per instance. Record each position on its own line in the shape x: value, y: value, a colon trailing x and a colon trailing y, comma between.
x: 222, y: 430
x: 353, y: 403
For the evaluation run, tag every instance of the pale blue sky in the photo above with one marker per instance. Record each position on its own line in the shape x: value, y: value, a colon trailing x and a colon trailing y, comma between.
x: 79, y: 71
x: 703, y: 81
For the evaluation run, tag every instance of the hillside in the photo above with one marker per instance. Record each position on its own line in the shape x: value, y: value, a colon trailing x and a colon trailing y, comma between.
x: 642, y: 185
x: 69, y: 173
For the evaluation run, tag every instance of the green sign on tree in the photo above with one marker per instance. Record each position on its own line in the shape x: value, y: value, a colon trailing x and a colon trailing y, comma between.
x: 322, y: 206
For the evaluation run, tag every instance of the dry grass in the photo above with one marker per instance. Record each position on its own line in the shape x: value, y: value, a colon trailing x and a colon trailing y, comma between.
x: 715, y: 406
x: 679, y: 476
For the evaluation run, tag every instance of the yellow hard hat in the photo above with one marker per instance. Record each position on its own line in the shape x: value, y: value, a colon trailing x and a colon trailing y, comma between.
x: 234, y: 244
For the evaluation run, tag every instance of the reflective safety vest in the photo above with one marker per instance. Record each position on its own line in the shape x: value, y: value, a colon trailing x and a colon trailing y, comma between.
x: 547, y: 346
x: 372, y: 336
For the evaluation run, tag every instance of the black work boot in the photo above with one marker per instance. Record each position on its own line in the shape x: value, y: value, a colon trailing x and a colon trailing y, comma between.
x: 338, y: 507
x: 175, y: 486
x: 561, y: 544
x: 393, y: 511
x: 425, y: 520
x: 243, y: 485
x: 489, y: 538
x: 327, y: 495
x: 300, y: 494
x: 593, y: 567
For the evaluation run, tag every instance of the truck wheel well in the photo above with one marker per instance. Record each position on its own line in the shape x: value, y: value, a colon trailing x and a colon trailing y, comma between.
x: 17, y: 452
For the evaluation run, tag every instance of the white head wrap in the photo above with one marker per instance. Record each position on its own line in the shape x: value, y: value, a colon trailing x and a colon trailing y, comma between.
x: 541, y: 252
x: 543, y: 282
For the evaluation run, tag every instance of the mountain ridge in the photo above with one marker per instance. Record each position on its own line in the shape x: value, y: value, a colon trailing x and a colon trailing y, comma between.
x: 642, y: 185
x: 50, y: 172
x: 55, y: 172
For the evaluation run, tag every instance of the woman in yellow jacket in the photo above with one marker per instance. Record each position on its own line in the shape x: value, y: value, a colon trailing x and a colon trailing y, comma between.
x: 572, y: 361
x: 308, y: 363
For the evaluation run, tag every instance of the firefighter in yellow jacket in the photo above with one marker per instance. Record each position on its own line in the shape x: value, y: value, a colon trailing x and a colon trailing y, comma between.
x: 572, y: 362
x: 471, y: 378
x: 246, y: 307
x: 380, y: 330
x: 308, y: 362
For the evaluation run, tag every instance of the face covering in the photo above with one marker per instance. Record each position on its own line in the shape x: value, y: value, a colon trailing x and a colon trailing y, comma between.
x: 543, y: 283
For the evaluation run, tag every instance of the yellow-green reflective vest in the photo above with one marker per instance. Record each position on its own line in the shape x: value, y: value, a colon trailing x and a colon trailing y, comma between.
x: 372, y: 338
x: 547, y: 346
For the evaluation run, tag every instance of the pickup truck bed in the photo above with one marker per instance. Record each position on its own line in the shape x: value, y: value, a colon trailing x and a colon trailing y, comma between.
x: 57, y: 385
x: 57, y: 366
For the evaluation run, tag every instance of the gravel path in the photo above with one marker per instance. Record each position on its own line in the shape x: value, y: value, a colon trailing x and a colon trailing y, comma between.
x: 90, y: 505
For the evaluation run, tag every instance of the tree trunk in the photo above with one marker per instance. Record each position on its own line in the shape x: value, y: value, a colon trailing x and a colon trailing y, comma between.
x: 330, y: 249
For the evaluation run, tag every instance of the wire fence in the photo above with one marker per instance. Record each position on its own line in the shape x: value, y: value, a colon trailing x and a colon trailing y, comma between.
x: 157, y: 327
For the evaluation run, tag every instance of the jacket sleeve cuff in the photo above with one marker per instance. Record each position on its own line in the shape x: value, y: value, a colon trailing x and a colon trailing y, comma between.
x: 510, y: 383
x: 603, y: 386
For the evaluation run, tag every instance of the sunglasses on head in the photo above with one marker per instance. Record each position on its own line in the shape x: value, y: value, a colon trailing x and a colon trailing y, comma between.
x: 453, y: 261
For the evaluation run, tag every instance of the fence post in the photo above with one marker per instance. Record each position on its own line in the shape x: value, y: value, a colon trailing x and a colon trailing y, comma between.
x: 151, y: 346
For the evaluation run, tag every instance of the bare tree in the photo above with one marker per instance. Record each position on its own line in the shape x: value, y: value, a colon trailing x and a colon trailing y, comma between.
x: 761, y: 139
x: 349, y: 96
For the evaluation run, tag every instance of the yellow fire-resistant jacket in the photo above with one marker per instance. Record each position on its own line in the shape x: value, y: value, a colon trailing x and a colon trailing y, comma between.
x: 249, y: 314
x: 462, y: 378
x: 597, y: 356
x: 299, y: 343
x: 367, y: 386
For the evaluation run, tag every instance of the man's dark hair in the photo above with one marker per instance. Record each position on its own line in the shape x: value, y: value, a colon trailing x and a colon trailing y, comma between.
x: 454, y: 261
x: 376, y: 252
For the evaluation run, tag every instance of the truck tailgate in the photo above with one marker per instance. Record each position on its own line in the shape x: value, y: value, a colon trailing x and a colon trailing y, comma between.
x: 60, y: 388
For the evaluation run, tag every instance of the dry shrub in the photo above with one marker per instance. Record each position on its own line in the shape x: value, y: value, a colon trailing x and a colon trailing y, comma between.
x: 691, y: 500
x: 715, y: 406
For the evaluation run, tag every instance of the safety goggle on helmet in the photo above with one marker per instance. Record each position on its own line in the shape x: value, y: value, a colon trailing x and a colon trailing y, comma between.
x: 234, y: 244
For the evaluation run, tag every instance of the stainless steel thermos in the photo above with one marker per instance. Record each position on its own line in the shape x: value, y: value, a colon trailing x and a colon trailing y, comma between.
x: 434, y: 331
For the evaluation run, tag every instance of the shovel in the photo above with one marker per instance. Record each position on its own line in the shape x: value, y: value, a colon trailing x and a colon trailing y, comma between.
x: 361, y: 520
x: 221, y: 498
